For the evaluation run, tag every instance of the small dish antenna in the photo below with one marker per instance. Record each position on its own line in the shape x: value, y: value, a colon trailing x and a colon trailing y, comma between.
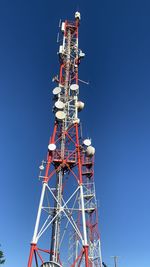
x: 74, y: 87
x: 90, y: 151
x: 59, y: 104
x: 60, y: 115
x: 56, y: 90
x: 80, y: 105
x: 87, y: 142
x: 51, y: 147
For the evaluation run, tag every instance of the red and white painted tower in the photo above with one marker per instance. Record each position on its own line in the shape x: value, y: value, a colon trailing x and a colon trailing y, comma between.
x: 66, y: 229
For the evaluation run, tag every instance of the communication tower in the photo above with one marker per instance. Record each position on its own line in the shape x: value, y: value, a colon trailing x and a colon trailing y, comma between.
x: 66, y: 229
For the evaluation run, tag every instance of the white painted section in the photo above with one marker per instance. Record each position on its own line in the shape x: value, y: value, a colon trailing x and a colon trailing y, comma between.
x: 44, y: 227
x: 100, y: 254
x: 63, y: 43
x: 76, y: 108
x: 34, y: 239
x: 83, y: 216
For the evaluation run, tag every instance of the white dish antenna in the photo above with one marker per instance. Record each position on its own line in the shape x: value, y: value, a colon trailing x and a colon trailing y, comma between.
x: 60, y: 115
x: 87, y: 142
x: 74, y: 87
x: 59, y: 104
x: 90, y: 151
x: 56, y: 90
x: 51, y: 147
x: 80, y: 105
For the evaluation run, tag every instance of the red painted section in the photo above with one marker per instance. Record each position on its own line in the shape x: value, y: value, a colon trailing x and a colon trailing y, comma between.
x: 32, y: 248
x: 86, y: 256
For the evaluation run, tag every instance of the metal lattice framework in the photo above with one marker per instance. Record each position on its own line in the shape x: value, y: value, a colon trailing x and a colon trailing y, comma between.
x: 66, y: 229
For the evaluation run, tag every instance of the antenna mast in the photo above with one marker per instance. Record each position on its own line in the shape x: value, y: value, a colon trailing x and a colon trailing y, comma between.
x: 66, y: 229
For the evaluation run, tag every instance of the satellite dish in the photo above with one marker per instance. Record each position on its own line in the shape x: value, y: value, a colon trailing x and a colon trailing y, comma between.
x: 60, y: 115
x: 87, y: 142
x: 50, y: 264
x: 74, y: 87
x: 59, y: 104
x: 80, y: 105
x: 56, y: 90
x: 51, y: 147
x: 90, y: 151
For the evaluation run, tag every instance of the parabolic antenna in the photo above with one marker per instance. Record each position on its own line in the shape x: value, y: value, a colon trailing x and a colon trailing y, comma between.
x: 50, y: 264
x: 59, y: 104
x: 80, y: 105
x: 74, y: 87
x: 90, y: 151
x: 51, y: 147
x: 56, y: 90
x: 60, y: 115
x: 87, y: 142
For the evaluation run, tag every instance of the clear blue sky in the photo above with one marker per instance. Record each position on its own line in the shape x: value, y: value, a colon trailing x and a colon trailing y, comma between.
x: 115, y: 35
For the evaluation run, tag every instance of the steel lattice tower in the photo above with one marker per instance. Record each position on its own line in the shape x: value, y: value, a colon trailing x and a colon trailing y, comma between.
x: 66, y: 228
